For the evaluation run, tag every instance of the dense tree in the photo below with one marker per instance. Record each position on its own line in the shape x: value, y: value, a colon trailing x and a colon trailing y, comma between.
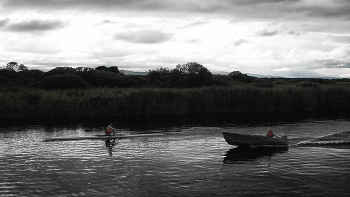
x: 14, y: 66
x: 238, y: 76
x: 25, y: 77
x: 159, y: 77
x: 194, y: 75
x: 137, y: 81
x: 83, y: 69
x: 63, y: 81
x: 105, y: 78
x: 101, y: 68
x: 8, y: 74
x: 15, y: 74
x: 192, y: 68
x: 189, y: 75
x: 222, y: 80
x: 22, y: 67
x: 11, y: 66
x: 113, y: 69
x: 59, y: 70
x: 3, y: 77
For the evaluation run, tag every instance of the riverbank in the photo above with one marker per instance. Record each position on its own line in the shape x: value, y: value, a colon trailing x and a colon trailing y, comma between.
x: 149, y: 102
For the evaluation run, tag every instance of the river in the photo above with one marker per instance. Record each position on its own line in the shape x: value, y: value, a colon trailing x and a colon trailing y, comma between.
x: 185, y: 161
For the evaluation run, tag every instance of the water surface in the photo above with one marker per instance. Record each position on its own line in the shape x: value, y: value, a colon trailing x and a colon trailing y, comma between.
x: 185, y: 161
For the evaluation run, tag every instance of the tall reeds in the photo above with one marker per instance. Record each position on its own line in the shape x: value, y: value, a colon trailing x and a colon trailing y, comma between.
x: 100, y: 103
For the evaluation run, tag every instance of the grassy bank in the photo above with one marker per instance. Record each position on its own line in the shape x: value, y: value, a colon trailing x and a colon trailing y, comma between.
x: 99, y: 103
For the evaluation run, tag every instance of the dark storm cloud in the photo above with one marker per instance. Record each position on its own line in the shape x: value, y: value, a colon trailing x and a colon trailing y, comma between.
x: 33, y: 25
x: 340, y: 39
x: 238, y: 8
x: 147, y: 5
x: 283, y: 31
x: 333, y: 63
x: 254, y: 2
x: 99, y: 5
x: 144, y: 36
x: 268, y: 33
x: 3, y: 22
x: 339, y: 9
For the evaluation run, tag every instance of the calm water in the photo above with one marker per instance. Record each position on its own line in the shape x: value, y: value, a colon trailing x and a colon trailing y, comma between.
x: 185, y: 161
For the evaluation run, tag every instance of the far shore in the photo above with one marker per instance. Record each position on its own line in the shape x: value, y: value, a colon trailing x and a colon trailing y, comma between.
x: 163, y: 102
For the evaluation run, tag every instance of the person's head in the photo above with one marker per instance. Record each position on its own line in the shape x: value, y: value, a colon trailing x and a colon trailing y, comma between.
x: 269, y: 129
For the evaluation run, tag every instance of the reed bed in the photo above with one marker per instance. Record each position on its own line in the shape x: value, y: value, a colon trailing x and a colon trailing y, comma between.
x: 107, y: 103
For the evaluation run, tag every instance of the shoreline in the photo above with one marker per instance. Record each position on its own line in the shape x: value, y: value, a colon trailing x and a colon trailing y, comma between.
x: 170, y: 122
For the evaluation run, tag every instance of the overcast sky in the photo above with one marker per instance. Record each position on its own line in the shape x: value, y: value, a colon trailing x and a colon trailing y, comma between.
x: 289, y: 38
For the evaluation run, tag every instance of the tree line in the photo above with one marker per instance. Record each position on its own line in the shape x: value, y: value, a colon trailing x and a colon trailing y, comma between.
x: 105, y: 92
x: 187, y: 75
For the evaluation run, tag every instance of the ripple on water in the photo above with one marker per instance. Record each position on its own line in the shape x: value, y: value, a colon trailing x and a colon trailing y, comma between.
x: 194, y: 162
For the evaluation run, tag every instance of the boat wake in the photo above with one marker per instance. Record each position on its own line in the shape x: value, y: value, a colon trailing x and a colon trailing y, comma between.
x: 336, y: 140
x: 241, y: 154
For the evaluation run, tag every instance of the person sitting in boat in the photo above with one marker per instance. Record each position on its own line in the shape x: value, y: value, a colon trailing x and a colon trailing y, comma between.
x: 270, y: 133
x: 110, y: 130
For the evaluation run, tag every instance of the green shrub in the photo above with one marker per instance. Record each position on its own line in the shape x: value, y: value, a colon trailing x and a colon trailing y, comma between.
x: 126, y: 102
x: 308, y: 85
x: 264, y: 85
x: 62, y: 82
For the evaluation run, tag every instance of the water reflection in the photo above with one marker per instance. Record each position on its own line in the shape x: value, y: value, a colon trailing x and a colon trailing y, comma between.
x: 110, y: 144
x: 187, y: 162
x: 236, y: 155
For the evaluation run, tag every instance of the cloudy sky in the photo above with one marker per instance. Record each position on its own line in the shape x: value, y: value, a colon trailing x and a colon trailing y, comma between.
x: 289, y: 38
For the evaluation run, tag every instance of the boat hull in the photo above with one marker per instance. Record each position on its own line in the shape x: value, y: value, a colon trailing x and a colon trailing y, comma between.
x: 254, y: 140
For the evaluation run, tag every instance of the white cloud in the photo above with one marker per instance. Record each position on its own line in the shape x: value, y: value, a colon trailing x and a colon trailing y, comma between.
x: 340, y: 52
x: 284, y: 69
x: 291, y: 38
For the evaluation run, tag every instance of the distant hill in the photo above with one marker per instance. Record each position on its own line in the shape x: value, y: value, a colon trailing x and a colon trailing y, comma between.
x: 249, y: 74
x: 263, y: 76
x: 128, y: 72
